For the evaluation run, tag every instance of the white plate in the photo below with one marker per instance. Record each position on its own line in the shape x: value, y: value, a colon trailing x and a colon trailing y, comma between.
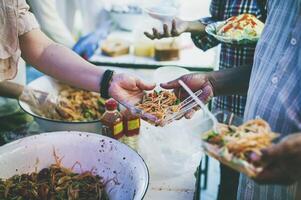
x: 213, y: 28
x: 122, y: 167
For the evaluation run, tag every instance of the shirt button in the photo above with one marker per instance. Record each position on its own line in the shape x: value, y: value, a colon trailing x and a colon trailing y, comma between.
x: 275, y: 80
x: 293, y: 41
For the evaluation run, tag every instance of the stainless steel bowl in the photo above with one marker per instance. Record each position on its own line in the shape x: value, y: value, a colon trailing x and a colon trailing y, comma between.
x: 48, y: 84
x: 124, y: 171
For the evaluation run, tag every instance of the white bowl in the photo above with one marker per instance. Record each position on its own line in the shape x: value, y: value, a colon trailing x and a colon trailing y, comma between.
x: 162, y: 13
x: 49, y: 85
x: 122, y: 167
x: 127, y: 21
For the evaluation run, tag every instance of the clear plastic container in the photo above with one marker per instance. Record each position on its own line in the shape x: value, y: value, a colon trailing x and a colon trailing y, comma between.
x: 184, y: 106
x: 214, y: 151
x: 230, y: 118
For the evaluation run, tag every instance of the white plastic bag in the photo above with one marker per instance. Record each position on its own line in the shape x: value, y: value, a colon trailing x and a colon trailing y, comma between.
x: 175, y: 149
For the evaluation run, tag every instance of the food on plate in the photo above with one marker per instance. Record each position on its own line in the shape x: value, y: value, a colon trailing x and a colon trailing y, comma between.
x: 160, y: 104
x: 233, y: 145
x: 54, y: 182
x: 167, y: 51
x: 240, y: 27
x: 77, y: 105
x: 115, y: 47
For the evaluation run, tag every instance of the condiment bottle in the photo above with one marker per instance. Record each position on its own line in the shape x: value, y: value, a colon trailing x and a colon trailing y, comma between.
x: 131, y: 129
x: 112, y: 121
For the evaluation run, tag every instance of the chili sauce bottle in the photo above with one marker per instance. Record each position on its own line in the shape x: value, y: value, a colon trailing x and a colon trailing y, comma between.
x: 131, y: 125
x: 112, y: 121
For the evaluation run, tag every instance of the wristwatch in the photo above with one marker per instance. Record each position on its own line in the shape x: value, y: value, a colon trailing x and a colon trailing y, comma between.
x: 105, y: 83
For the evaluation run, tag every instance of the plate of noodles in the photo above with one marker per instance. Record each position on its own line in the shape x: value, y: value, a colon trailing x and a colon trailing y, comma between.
x: 233, y: 145
x: 242, y: 29
x: 78, y: 109
x: 158, y: 106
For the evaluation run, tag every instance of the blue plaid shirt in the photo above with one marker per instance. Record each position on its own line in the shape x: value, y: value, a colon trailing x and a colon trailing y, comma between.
x: 231, y: 55
x: 275, y: 88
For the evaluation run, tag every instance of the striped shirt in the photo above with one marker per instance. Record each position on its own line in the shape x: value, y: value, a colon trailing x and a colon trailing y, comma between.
x: 231, y: 55
x: 275, y: 87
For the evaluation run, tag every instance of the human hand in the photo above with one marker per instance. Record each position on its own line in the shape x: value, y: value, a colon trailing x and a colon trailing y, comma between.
x: 195, y: 82
x: 128, y: 89
x: 282, y: 162
x: 177, y: 28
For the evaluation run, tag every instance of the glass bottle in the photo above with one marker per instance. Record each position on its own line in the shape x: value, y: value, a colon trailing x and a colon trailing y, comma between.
x: 131, y: 129
x: 112, y: 121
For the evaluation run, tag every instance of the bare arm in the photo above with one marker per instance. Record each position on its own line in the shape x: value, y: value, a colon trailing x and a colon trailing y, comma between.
x: 230, y: 81
x: 59, y: 62
x: 217, y: 83
x: 62, y: 64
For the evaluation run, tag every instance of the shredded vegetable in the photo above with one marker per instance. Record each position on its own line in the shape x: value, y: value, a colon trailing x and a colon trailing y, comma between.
x: 77, y: 105
x: 160, y: 104
x: 53, y: 183
x: 241, y: 141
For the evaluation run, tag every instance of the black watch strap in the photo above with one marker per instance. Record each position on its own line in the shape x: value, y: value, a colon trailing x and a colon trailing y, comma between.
x: 105, y: 83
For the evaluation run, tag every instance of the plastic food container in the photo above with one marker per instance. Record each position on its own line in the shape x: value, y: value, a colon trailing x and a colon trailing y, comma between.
x: 225, y: 158
x: 132, y: 105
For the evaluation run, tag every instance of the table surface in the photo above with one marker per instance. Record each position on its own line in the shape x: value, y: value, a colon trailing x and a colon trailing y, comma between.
x: 191, y: 57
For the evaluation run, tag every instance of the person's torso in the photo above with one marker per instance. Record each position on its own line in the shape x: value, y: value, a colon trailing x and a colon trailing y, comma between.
x: 234, y: 55
x: 275, y: 85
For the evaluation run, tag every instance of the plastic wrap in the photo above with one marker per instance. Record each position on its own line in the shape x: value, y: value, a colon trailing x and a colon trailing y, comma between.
x: 175, y: 149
